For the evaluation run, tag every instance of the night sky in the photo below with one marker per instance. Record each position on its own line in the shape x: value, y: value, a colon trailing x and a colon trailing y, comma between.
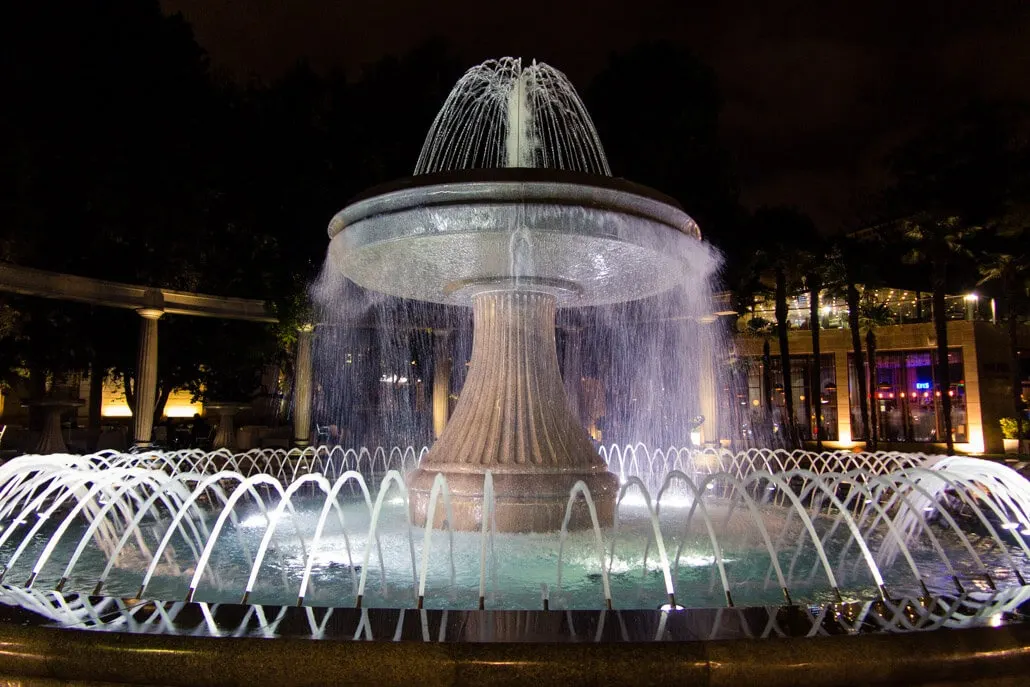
x: 816, y: 91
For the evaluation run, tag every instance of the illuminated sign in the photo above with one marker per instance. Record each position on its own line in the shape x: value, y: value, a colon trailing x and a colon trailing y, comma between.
x: 923, y: 386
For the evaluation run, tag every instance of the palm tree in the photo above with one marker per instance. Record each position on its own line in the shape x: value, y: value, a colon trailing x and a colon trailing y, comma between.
x: 859, y: 358
x: 871, y: 316
x: 815, y: 283
x: 782, y: 326
x: 762, y: 328
x: 937, y: 242
x: 783, y: 231
x: 852, y: 264
x: 815, y: 269
x: 1013, y: 274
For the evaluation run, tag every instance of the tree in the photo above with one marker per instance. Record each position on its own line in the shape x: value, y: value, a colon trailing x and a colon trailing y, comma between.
x: 763, y: 329
x: 1012, y: 272
x: 815, y: 268
x: 844, y: 265
x: 782, y: 232
x: 950, y: 179
x: 938, y: 242
x: 859, y: 358
x: 114, y: 187
x: 216, y: 360
x: 853, y: 268
x: 122, y: 186
x: 873, y: 315
x: 656, y: 108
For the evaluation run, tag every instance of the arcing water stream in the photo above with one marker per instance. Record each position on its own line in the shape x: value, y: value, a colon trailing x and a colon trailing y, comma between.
x: 330, y: 528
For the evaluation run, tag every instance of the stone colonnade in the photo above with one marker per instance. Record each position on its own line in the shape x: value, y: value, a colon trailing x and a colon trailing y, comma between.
x: 146, y: 383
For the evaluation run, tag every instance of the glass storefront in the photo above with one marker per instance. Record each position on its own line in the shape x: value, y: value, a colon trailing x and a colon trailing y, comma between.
x: 747, y: 403
x: 907, y: 398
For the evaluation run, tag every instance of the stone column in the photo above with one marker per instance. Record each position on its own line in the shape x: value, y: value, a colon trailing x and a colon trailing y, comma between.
x: 146, y: 377
x: 709, y: 398
x: 302, y: 387
x: 844, y: 429
x: 513, y: 419
x: 441, y: 379
x: 573, y: 366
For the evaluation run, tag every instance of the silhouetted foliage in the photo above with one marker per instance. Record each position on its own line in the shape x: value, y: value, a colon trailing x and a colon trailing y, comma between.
x: 656, y: 108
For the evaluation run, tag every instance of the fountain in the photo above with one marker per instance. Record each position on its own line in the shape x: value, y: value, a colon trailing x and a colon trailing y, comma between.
x: 512, y: 527
x: 514, y: 212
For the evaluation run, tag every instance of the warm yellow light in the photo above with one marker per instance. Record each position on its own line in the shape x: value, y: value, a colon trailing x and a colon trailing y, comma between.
x: 116, y: 410
x: 176, y: 410
x: 180, y: 404
x: 971, y: 297
x: 976, y: 437
x: 183, y: 410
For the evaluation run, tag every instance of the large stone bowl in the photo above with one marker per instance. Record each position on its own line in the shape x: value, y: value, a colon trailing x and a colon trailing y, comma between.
x: 591, y: 240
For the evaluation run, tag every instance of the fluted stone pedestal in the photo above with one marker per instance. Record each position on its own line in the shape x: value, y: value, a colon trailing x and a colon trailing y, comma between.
x: 51, y: 440
x: 514, y: 420
x: 441, y: 380
x: 225, y: 435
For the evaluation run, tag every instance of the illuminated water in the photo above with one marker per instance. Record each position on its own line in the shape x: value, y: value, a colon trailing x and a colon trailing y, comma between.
x: 974, y: 537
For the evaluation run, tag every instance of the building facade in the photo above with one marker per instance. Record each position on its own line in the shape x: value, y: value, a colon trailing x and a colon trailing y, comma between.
x: 905, y: 396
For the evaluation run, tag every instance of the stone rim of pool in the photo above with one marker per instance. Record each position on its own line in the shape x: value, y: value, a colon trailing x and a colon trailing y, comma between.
x: 614, y: 648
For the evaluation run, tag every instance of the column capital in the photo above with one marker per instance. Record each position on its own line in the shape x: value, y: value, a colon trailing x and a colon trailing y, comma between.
x: 150, y: 313
x: 306, y: 328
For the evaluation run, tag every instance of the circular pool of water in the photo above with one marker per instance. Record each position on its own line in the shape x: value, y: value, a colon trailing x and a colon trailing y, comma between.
x: 331, y: 529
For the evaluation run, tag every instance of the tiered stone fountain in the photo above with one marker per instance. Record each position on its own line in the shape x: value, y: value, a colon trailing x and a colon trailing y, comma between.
x: 512, y: 210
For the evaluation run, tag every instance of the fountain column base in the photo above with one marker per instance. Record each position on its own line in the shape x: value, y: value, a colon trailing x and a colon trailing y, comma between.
x: 513, y: 420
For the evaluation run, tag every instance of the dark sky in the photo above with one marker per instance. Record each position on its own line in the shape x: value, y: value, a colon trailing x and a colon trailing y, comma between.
x: 816, y: 91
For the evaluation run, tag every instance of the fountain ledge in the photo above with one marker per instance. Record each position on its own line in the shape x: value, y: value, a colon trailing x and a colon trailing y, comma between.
x: 38, y: 655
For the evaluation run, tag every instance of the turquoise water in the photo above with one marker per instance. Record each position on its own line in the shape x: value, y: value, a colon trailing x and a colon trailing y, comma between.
x: 520, y: 569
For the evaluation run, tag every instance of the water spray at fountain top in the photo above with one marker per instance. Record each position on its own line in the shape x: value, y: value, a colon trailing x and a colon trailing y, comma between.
x: 500, y: 114
x: 513, y: 188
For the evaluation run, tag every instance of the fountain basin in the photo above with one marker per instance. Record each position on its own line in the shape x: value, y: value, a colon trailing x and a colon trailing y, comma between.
x: 591, y: 240
x: 179, y: 525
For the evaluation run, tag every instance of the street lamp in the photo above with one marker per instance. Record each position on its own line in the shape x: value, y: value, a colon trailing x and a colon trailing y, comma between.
x: 971, y: 300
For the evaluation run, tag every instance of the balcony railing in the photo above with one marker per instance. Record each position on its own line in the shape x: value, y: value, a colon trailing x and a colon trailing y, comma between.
x: 887, y: 306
